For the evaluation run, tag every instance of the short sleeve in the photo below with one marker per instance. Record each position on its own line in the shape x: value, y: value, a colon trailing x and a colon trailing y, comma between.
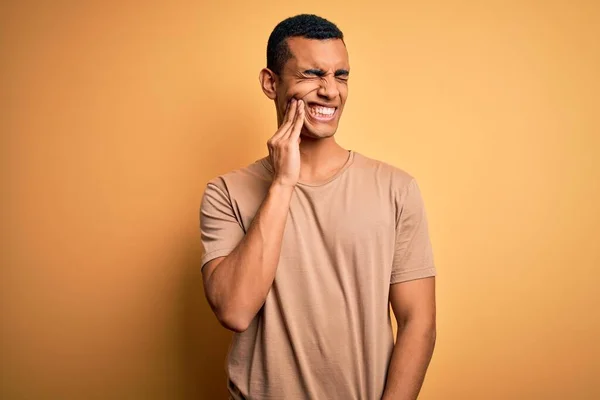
x: 413, y: 254
x: 220, y: 230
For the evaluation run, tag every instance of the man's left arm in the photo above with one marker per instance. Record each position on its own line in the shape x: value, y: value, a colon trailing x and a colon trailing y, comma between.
x: 413, y: 303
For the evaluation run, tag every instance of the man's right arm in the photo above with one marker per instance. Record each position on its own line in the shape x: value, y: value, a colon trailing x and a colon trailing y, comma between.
x: 236, y: 286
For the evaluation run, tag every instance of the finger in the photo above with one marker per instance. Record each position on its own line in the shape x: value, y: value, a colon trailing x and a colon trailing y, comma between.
x: 290, y: 112
x: 285, y: 127
x: 299, y: 122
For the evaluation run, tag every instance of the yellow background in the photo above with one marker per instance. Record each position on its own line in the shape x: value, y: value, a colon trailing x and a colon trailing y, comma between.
x: 115, y: 114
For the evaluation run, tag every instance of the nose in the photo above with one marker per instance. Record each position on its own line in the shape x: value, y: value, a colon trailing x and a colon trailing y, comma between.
x: 328, y: 88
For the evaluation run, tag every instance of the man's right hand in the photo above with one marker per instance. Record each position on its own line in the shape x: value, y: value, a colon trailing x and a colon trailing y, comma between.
x: 284, y: 145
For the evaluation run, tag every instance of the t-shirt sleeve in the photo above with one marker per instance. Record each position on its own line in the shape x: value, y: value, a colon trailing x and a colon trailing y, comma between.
x: 413, y: 255
x: 219, y: 227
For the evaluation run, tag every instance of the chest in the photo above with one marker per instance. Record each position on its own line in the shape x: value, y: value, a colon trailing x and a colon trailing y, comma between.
x: 343, y: 237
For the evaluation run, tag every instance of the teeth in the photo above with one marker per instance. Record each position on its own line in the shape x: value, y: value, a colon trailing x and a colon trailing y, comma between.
x: 323, y: 111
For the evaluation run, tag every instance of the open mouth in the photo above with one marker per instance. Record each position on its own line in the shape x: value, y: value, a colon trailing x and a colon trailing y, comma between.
x: 320, y: 112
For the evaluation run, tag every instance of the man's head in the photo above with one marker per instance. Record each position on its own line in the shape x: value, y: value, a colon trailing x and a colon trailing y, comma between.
x: 307, y: 59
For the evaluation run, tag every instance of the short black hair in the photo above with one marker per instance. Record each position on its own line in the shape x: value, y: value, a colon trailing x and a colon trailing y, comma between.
x: 308, y: 26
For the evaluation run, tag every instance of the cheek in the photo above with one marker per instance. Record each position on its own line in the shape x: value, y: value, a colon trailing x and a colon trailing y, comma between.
x: 301, y: 90
x: 343, y: 89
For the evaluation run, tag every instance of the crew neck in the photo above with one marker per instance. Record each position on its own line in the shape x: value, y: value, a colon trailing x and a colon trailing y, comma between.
x: 267, y: 164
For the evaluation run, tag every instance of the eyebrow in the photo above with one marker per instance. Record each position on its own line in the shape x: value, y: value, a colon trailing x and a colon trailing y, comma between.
x: 320, y: 72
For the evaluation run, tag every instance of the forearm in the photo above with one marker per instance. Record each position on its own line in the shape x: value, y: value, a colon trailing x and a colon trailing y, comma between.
x: 410, y: 358
x: 238, y: 286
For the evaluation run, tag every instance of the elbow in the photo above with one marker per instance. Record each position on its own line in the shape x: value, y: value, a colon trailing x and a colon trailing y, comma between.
x: 231, y: 316
x: 233, y: 321
x: 232, y: 312
x: 432, y: 336
x: 234, y: 317
x: 429, y: 331
x: 425, y: 330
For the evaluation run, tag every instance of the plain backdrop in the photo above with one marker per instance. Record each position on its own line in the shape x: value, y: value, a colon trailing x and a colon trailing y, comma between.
x: 115, y: 114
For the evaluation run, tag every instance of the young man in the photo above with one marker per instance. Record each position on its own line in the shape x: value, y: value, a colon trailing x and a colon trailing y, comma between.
x: 305, y: 248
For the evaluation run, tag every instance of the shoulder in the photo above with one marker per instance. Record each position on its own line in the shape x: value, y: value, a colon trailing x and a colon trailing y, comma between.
x: 251, y: 177
x: 398, y: 178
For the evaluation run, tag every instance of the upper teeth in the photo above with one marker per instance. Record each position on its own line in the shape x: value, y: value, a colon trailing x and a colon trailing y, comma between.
x: 324, y: 110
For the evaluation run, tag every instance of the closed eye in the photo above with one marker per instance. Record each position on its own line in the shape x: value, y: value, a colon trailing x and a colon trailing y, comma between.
x: 312, y: 73
x: 342, y: 74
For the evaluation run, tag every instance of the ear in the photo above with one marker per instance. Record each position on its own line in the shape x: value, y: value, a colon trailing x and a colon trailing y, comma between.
x: 268, y: 82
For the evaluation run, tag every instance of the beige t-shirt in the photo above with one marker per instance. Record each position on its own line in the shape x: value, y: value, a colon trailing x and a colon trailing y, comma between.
x: 324, y: 331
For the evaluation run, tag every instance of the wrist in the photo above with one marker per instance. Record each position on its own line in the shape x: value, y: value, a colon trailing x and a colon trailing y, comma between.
x: 279, y: 185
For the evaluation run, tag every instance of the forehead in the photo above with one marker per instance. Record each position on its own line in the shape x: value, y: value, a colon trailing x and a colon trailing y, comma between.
x: 313, y: 53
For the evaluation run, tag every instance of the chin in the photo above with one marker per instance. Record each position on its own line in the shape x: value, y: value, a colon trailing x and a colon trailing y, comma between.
x: 320, y: 132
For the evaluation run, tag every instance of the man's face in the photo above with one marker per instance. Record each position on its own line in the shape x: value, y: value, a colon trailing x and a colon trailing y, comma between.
x: 317, y: 74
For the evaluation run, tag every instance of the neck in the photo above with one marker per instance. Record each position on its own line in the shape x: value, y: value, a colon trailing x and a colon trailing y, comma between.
x: 320, y: 158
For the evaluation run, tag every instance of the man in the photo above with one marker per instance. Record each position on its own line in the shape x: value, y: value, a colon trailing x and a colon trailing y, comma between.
x: 306, y: 247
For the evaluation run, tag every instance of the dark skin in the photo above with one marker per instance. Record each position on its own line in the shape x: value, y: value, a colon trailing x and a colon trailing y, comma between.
x: 318, y: 74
